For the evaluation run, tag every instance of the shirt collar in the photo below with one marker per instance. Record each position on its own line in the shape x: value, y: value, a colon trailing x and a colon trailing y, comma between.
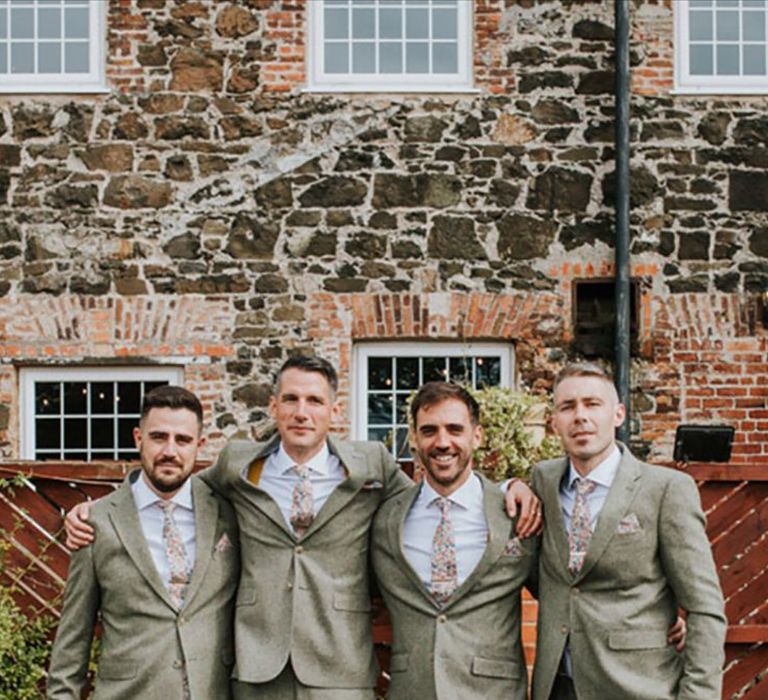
x: 318, y: 463
x: 466, y: 496
x: 603, y: 474
x: 145, y: 496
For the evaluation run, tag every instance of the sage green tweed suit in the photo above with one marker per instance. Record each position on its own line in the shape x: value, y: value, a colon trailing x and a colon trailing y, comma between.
x: 146, y: 641
x: 306, y: 599
x: 470, y: 648
x: 648, y: 555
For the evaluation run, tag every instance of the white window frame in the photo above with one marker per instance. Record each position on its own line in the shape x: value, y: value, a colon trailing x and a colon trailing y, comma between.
x: 687, y: 84
x: 362, y: 351
x: 65, y: 83
x: 29, y: 376
x: 318, y: 81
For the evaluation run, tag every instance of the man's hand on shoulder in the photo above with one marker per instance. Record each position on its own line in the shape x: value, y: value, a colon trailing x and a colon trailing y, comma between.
x: 521, y: 499
x: 79, y: 532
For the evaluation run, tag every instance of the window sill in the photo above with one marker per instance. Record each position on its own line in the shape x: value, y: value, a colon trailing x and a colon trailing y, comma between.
x: 54, y: 89
x: 432, y: 89
x: 719, y: 91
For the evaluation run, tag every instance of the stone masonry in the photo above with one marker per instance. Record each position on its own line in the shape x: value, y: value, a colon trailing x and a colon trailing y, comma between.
x: 209, y: 214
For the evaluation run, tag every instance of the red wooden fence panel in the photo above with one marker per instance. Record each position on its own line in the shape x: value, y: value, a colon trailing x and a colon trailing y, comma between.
x: 735, y: 498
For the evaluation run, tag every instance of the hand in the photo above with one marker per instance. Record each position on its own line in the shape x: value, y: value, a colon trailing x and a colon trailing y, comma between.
x: 677, y: 633
x: 79, y: 532
x: 530, y: 522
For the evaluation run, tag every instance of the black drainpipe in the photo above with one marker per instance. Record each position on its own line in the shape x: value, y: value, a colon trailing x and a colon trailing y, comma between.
x: 622, y: 339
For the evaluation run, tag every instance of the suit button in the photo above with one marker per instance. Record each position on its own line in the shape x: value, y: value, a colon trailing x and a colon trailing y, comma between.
x: 442, y: 618
x: 289, y: 586
x: 178, y: 664
x: 299, y: 549
x: 182, y: 620
x: 564, y: 629
x: 575, y: 591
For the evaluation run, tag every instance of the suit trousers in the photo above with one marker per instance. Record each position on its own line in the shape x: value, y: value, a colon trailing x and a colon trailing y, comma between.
x: 287, y: 687
x: 563, y: 688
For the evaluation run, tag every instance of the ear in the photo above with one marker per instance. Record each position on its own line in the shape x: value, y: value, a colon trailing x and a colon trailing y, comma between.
x: 137, y: 437
x: 272, y: 408
x: 335, y: 411
x: 202, y: 440
x: 477, y: 436
x: 621, y: 414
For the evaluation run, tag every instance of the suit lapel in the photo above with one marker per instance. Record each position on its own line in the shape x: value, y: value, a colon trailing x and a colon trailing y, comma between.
x: 355, y: 465
x: 553, y: 511
x: 618, y: 501
x: 499, y: 527
x: 206, y: 520
x: 125, y: 519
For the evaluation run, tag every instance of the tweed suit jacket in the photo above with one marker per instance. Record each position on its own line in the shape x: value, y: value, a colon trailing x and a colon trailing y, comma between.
x: 471, y: 647
x: 306, y: 598
x: 147, y: 643
x: 649, y: 554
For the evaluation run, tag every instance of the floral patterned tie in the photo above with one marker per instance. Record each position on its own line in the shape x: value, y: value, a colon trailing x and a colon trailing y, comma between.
x: 176, y: 554
x: 581, y: 532
x: 302, y: 504
x: 444, y: 577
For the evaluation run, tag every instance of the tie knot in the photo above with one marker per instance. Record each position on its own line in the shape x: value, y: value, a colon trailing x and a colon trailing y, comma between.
x: 443, y: 503
x: 302, y: 470
x: 168, y: 507
x: 585, y: 486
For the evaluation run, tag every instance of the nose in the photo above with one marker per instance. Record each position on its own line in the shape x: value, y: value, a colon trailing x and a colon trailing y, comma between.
x: 170, y: 448
x: 301, y: 410
x: 442, y: 439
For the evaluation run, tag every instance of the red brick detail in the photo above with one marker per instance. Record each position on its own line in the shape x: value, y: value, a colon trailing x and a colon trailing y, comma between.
x: 653, y: 31
x: 491, y: 40
x: 286, y: 27
x: 126, y: 30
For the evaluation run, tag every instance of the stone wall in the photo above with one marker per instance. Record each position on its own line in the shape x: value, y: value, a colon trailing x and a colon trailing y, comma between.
x: 251, y: 220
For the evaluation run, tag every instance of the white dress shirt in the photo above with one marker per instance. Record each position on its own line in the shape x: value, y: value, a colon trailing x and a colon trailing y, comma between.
x: 151, y: 518
x: 470, y: 529
x: 603, y: 475
x: 279, y: 478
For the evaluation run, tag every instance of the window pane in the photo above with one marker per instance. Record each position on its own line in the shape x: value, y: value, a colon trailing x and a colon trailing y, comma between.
x: 407, y: 372
x: 416, y: 23
x: 460, y: 370
x: 390, y: 57
x: 336, y: 24
x: 102, y: 456
x: 487, y: 371
x: 47, y: 398
x: 363, y: 23
x: 49, y: 57
x: 727, y: 3
x: 383, y: 435
x: 379, y: 409
x: 102, y: 397
x: 22, y: 57
x: 75, y: 397
x: 445, y: 58
x: 444, y: 24
x: 701, y: 60
x: 701, y: 26
x: 379, y: 373
x: 22, y: 23
x: 363, y: 57
x: 390, y: 24
x: 754, y: 26
x: 48, y: 23
x: 728, y: 26
x: 128, y: 456
x: 102, y: 433
x: 402, y: 408
x: 72, y: 456
x: 417, y: 58
x: 337, y: 58
x: 3, y: 57
x: 128, y: 397
x: 47, y: 433
x: 728, y: 59
x: 75, y: 433
x: 402, y: 449
x: 125, y: 428
x: 754, y: 60
x: 76, y: 58
x: 755, y: 3
x: 435, y: 369
x: 76, y: 23
x: 3, y: 23
x: 701, y: 3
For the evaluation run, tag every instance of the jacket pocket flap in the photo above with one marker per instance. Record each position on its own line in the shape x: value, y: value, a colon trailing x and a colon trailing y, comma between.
x: 352, y: 602
x: 117, y: 669
x: 246, y: 595
x: 398, y: 663
x: 496, y: 668
x: 637, y: 639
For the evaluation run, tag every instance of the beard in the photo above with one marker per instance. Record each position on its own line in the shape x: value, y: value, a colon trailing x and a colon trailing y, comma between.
x: 166, y: 483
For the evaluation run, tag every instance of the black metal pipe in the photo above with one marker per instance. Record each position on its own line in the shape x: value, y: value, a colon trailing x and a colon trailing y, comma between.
x: 623, y: 289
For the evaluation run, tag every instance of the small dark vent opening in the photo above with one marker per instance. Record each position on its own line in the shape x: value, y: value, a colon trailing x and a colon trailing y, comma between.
x: 594, y: 317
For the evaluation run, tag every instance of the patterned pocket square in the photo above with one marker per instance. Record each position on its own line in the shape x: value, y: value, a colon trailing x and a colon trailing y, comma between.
x: 629, y: 524
x: 372, y: 485
x: 223, y: 544
x: 513, y: 548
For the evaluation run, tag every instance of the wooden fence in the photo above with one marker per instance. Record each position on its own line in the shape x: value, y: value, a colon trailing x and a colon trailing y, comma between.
x: 735, y: 498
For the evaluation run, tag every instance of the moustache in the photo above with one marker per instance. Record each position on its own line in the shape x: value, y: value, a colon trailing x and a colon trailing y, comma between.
x: 168, y: 461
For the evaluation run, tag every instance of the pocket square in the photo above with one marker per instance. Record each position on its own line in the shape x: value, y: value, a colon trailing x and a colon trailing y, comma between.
x: 223, y: 544
x: 372, y: 485
x: 629, y: 524
x: 513, y: 548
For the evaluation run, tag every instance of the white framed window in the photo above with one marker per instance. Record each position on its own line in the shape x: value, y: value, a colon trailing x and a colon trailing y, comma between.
x: 386, y: 374
x: 721, y: 46
x: 390, y: 45
x: 52, y: 46
x: 86, y: 413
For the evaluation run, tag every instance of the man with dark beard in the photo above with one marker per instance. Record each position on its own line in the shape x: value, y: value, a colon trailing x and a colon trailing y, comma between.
x: 450, y: 566
x: 162, y: 573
